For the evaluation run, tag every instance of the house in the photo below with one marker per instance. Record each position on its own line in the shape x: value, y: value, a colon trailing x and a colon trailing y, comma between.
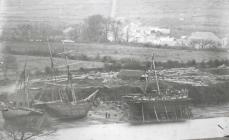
x: 138, y: 33
x: 200, y: 40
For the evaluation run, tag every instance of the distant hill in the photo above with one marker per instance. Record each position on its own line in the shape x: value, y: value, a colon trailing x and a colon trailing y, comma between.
x: 181, y: 16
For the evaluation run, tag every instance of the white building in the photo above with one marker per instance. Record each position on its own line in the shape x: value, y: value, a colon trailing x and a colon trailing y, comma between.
x: 135, y: 32
x: 204, y: 40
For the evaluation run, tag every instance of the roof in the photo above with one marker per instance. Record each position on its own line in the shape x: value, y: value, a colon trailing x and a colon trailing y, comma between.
x: 203, y: 36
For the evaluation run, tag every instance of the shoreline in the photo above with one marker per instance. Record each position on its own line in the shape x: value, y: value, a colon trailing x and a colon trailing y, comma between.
x: 192, y: 129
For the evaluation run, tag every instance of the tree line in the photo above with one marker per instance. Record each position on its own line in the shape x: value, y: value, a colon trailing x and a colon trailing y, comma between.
x: 95, y: 28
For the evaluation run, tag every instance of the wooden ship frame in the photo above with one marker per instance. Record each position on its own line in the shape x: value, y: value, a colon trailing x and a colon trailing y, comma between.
x: 67, y: 105
x: 158, y: 105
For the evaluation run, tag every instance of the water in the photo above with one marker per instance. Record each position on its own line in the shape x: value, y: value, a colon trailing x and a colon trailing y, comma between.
x: 192, y: 129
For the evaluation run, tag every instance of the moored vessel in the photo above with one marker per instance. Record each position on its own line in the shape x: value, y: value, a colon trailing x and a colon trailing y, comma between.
x: 67, y: 105
x: 158, y: 105
x: 18, y: 110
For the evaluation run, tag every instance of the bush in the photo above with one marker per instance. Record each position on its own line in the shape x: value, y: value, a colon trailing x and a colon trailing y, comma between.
x: 191, y: 63
x: 83, y: 57
x: 116, y: 66
x: 108, y: 59
x: 48, y: 70
x: 98, y: 57
x: 128, y: 63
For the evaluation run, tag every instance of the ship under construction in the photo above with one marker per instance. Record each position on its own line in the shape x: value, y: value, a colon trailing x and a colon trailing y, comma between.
x: 169, y: 105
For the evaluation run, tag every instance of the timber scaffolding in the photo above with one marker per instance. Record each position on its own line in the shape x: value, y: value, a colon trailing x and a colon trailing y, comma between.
x: 158, y: 105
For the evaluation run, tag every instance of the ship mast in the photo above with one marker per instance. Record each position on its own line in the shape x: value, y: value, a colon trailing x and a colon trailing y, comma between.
x: 153, y: 66
x: 24, y: 81
x: 69, y: 76
x: 52, y: 67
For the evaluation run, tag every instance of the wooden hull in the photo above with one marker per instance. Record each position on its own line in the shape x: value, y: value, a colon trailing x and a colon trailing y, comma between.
x: 24, y: 119
x: 18, y: 113
x: 158, y: 112
x: 68, y: 110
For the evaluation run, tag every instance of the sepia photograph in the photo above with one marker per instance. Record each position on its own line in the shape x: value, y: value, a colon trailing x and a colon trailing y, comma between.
x: 114, y: 69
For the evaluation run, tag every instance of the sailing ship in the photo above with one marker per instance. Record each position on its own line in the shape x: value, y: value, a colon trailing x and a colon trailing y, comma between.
x: 67, y: 105
x: 158, y: 105
x: 18, y: 110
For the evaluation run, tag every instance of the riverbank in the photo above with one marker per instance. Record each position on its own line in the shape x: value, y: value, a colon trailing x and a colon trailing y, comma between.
x: 96, y: 125
x: 191, y: 129
x: 97, y: 116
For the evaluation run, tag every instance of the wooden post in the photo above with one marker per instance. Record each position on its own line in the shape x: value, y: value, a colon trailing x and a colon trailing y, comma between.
x: 143, y: 115
x: 60, y: 95
x: 185, y: 112
x: 155, y: 113
x: 166, y: 112
x: 181, y: 114
x: 175, y: 111
x: 188, y: 112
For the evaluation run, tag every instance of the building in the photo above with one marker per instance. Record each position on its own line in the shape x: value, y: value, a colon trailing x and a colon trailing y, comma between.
x: 200, y: 40
x: 137, y: 33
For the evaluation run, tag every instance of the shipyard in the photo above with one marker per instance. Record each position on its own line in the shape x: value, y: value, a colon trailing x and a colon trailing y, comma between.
x: 114, y: 69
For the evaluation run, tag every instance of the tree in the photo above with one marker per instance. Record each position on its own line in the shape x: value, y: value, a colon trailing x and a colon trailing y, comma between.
x: 32, y: 31
x: 116, y: 30
x: 94, y: 28
x: 27, y: 128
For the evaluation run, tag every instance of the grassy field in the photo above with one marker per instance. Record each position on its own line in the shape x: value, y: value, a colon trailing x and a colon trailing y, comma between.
x: 118, y: 52
x: 39, y: 63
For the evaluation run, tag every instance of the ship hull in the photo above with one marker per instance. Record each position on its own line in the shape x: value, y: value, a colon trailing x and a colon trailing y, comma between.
x: 23, y: 119
x: 158, y: 111
x: 68, y: 110
x: 18, y: 113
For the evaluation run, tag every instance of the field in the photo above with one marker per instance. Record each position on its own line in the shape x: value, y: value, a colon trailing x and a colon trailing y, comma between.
x: 118, y: 52
x: 180, y: 17
x: 39, y: 63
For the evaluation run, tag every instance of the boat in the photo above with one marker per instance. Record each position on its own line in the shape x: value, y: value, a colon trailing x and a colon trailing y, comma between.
x: 18, y: 110
x: 66, y: 105
x: 65, y: 109
x: 156, y: 106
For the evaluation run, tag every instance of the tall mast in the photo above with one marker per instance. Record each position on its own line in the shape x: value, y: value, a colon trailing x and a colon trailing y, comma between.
x: 69, y: 76
x: 52, y: 66
x: 25, y: 81
x: 152, y: 66
x: 146, y: 82
x: 50, y: 54
x: 27, y: 90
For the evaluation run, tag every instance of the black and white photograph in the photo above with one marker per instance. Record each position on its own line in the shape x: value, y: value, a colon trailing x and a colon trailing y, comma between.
x: 114, y: 69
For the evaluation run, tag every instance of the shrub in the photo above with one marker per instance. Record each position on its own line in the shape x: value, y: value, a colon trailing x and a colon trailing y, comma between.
x: 83, y: 57
x: 48, y: 70
x: 128, y: 63
x: 108, y: 59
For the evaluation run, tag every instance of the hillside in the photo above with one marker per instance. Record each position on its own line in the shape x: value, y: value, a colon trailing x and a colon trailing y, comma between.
x: 180, y: 17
